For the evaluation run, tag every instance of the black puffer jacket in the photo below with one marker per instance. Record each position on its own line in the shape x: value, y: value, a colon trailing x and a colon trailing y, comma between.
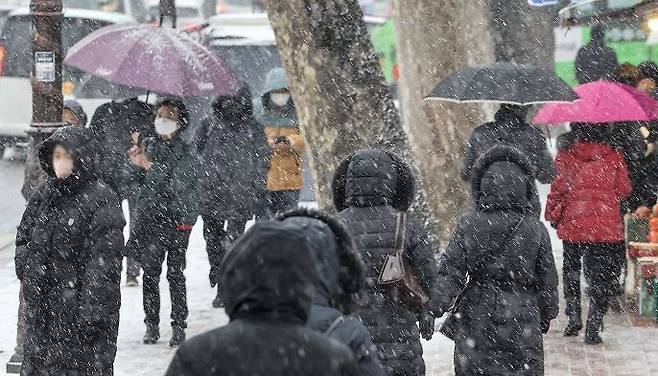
x: 510, y: 284
x: 268, y: 290
x: 370, y: 188
x: 340, y: 281
x: 68, y: 256
x: 595, y: 60
x: 235, y: 157
x: 112, y: 124
x: 510, y: 128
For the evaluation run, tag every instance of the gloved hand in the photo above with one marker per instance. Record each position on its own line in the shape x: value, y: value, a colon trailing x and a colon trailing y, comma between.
x: 545, y: 326
x: 426, y: 325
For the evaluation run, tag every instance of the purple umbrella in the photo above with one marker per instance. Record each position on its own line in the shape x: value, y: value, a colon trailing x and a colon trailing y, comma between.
x: 152, y: 58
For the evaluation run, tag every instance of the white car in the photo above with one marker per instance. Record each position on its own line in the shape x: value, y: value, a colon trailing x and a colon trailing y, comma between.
x: 16, y: 48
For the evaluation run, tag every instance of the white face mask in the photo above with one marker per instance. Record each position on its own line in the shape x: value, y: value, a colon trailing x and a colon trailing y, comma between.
x: 63, y: 167
x: 280, y: 99
x: 165, y: 127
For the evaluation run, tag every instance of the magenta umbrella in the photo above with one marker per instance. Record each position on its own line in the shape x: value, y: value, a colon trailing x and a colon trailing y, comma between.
x: 601, y: 102
x: 152, y: 58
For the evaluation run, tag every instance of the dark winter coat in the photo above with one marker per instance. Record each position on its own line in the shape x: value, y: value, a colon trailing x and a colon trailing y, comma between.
x: 168, y: 194
x: 235, y: 159
x: 268, y: 291
x: 340, y: 280
x: 112, y: 124
x: 509, y: 128
x: 370, y: 188
x: 595, y: 60
x: 509, y: 285
x: 68, y: 256
x: 584, y: 199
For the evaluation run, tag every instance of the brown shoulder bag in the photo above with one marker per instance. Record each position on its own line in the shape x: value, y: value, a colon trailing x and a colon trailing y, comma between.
x: 397, y: 275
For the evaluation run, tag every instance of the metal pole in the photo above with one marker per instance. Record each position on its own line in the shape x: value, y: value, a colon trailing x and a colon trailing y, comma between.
x: 168, y: 11
x: 47, y: 103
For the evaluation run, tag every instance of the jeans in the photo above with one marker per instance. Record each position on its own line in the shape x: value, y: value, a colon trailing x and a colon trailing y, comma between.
x: 173, y: 246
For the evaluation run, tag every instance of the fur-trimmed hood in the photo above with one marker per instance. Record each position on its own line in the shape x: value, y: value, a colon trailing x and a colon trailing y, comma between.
x: 340, y: 270
x: 374, y: 177
x: 504, y: 178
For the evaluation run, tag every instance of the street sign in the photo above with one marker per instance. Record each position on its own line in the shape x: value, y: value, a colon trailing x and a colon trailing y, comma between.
x: 542, y: 3
x: 44, y: 66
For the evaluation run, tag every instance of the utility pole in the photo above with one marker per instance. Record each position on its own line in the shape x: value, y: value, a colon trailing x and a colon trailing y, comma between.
x: 47, y: 99
x: 168, y: 12
x: 47, y: 103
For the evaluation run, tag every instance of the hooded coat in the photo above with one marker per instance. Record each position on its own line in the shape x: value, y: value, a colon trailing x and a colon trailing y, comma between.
x: 510, y: 128
x: 268, y: 293
x: 595, y: 60
x: 285, y: 168
x: 370, y: 188
x: 112, y: 124
x: 68, y: 256
x: 235, y: 158
x: 498, y: 271
x: 340, y: 280
x: 585, y: 197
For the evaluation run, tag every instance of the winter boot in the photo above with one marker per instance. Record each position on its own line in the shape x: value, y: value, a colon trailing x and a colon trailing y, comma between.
x: 597, y: 309
x: 152, y: 334
x: 132, y: 282
x: 574, y: 326
x: 178, y: 335
x: 218, y: 302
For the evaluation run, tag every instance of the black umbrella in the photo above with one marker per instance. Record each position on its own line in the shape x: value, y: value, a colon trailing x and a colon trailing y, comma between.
x: 503, y: 83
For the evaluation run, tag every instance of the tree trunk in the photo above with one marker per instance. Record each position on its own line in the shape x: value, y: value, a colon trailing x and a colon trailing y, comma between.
x: 434, y: 39
x: 339, y: 89
x: 522, y: 33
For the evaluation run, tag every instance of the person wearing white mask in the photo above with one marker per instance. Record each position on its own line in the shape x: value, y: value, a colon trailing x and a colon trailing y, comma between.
x: 69, y: 248
x: 167, y: 208
x: 275, y: 109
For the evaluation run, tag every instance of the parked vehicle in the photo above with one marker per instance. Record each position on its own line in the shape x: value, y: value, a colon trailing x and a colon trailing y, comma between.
x: 16, y: 54
x: 134, y: 8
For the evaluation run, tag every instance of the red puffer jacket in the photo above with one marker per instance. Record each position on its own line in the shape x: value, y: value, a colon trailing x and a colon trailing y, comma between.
x: 584, y: 200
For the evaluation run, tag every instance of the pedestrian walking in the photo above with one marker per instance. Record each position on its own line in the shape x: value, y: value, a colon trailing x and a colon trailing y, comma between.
x: 338, y: 286
x: 372, y: 190
x: 119, y: 125
x: 511, y: 128
x: 268, y: 286
x: 595, y: 60
x: 167, y: 208
x: 275, y: 109
x: 234, y: 165
x: 498, y: 273
x: 584, y: 206
x: 73, y: 113
x: 68, y: 257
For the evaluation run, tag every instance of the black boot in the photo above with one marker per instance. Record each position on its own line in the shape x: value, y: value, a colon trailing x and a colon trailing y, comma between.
x: 178, y: 335
x: 574, y: 326
x: 152, y: 334
x: 218, y: 302
x: 597, y: 309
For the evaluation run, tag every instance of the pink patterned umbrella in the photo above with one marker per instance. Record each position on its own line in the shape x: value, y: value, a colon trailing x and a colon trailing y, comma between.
x: 601, y: 102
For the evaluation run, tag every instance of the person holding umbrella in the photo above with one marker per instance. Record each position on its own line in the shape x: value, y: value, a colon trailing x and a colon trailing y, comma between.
x: 167, y: 208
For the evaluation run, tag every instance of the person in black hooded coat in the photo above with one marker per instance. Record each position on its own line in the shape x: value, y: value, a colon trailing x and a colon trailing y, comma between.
x: 233, y: 172
x: 595, y: 61
x: 268, y: 287
x: 511, y: 128
x: 498, y: 272
x: 371, y: 187
x: 341, y: 279
x: 68, y: 257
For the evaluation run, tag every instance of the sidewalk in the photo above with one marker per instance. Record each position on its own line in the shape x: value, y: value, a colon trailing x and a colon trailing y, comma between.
x: 628, y: 350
